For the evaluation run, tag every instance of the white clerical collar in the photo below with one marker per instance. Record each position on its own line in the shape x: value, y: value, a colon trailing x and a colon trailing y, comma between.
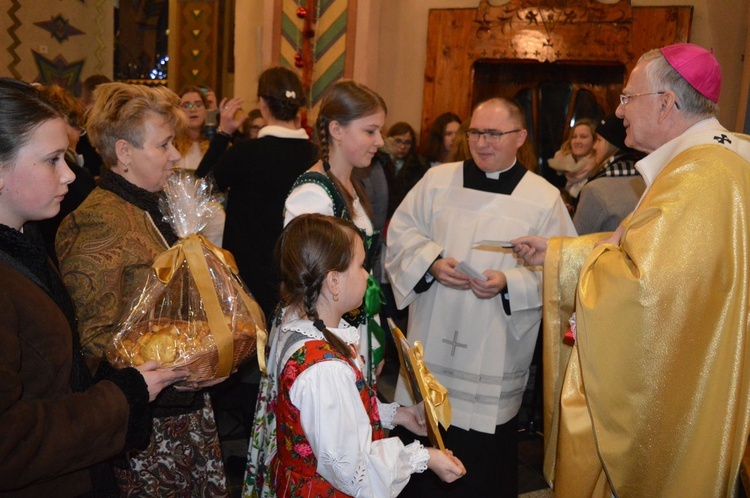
x: 281, y: 132
x: 494, y: 175
x: 701, y: 133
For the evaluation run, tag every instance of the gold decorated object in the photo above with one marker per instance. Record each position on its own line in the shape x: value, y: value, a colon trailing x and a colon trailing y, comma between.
x: 209, y: 348
x: 654, y: 397
x: 423, y: 386
x: 190, y: 249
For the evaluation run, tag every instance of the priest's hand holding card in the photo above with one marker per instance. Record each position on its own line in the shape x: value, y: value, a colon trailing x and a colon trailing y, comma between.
x: 444, y: 271
x: 487, y: 289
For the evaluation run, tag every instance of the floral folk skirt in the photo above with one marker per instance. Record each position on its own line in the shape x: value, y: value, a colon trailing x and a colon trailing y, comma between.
x: 183, y: 460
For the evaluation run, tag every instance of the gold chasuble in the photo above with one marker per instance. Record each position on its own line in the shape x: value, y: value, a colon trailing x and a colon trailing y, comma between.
x: 653, y: 397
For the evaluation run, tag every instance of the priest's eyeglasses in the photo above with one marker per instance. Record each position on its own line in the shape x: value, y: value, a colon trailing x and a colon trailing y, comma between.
x: 490, y: 136
x: 624, y: 99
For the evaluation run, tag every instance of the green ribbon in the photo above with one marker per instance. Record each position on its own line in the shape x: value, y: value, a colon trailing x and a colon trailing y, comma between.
x: 373, y: 301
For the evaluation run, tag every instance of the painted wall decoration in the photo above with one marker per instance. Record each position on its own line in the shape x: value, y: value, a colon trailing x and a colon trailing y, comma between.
x: 316, y: 40
x: 59, y: 27
x: 195, y: 43
x: 58, y: 72
x: 54, y: 41
x: 16, y: 42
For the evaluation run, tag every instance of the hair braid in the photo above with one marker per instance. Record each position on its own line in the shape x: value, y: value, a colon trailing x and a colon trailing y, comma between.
x: 322, y: 126
x: 312, y: 293
x: 310, y: 247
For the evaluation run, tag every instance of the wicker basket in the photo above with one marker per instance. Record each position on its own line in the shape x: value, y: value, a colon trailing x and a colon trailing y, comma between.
x: 202, y: 361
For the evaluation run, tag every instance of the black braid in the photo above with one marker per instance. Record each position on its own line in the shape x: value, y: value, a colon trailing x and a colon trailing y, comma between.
x: 332, y: 339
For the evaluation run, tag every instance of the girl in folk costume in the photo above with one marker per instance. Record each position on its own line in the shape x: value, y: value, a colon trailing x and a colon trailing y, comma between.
x: 319, y: 426
x: 350, y: 119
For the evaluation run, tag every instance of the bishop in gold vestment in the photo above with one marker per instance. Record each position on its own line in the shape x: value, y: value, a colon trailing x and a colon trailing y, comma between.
x: 653, y: 398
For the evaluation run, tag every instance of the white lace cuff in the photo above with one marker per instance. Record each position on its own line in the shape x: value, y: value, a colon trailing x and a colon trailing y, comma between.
x: 418, y: 457
x: 387, y: 414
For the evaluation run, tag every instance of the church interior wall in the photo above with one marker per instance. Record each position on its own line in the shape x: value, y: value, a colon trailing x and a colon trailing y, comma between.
x: 70, y: 39
x: 721, y: 24
x: 390, y: 51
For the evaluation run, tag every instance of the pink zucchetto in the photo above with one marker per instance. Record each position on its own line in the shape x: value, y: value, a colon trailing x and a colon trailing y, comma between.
x: 698, y: 66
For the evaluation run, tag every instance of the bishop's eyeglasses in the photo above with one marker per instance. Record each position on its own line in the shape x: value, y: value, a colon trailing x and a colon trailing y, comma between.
x: 624, y: 99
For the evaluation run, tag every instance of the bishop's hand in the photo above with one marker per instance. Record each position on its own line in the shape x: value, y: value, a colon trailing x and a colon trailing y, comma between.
x: 531, y: 248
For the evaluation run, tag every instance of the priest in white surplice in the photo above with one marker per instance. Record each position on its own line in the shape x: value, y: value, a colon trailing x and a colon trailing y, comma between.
x: 479, y: 336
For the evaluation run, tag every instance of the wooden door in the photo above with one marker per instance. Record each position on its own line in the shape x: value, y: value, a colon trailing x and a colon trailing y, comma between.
x: 526, y: 50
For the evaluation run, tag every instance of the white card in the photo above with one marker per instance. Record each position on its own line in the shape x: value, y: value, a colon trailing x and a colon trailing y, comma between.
x: 506, y: 244
x: 464, y: 268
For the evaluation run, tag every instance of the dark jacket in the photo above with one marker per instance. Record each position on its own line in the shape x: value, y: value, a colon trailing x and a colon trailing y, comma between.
x: 259, y: 174
x: 50, y: 436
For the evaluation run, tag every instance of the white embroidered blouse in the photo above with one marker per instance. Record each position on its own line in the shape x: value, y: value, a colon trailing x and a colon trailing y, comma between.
x: 337, y: 425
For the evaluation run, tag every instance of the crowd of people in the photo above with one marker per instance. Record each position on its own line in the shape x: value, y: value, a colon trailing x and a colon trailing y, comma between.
x: 334, y: 230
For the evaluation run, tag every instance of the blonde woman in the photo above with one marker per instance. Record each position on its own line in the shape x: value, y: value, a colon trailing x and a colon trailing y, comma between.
x: 106, y: 248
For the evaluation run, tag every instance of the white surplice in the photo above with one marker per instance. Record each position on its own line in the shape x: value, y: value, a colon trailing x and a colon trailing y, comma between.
x: 477, y: 351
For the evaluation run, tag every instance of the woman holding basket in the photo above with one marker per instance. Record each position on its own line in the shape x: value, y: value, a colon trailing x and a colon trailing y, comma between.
x: 106, y: 248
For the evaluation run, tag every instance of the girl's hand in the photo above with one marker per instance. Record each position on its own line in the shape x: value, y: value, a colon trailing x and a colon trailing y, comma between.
x: 412, y: 418
x: 156, y: 379
x: 447, y: 467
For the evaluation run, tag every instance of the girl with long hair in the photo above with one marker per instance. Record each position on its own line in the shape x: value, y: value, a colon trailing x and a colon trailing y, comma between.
x: 350, y: 120
x: 319, y: 425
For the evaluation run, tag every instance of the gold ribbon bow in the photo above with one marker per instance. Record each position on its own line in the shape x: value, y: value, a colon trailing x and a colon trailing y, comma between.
x: 190, y: 249
x: 437, y: 404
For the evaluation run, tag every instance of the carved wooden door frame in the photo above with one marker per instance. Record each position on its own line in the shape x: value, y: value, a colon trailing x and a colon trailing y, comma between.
x: 574, y: 31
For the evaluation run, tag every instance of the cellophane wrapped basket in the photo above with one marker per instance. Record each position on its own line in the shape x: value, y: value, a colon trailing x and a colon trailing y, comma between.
x: 194, y: 311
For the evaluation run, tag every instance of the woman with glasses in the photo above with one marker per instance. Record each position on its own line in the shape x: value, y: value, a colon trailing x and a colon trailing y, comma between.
x: 192, y: 144
x: 409, y: 166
